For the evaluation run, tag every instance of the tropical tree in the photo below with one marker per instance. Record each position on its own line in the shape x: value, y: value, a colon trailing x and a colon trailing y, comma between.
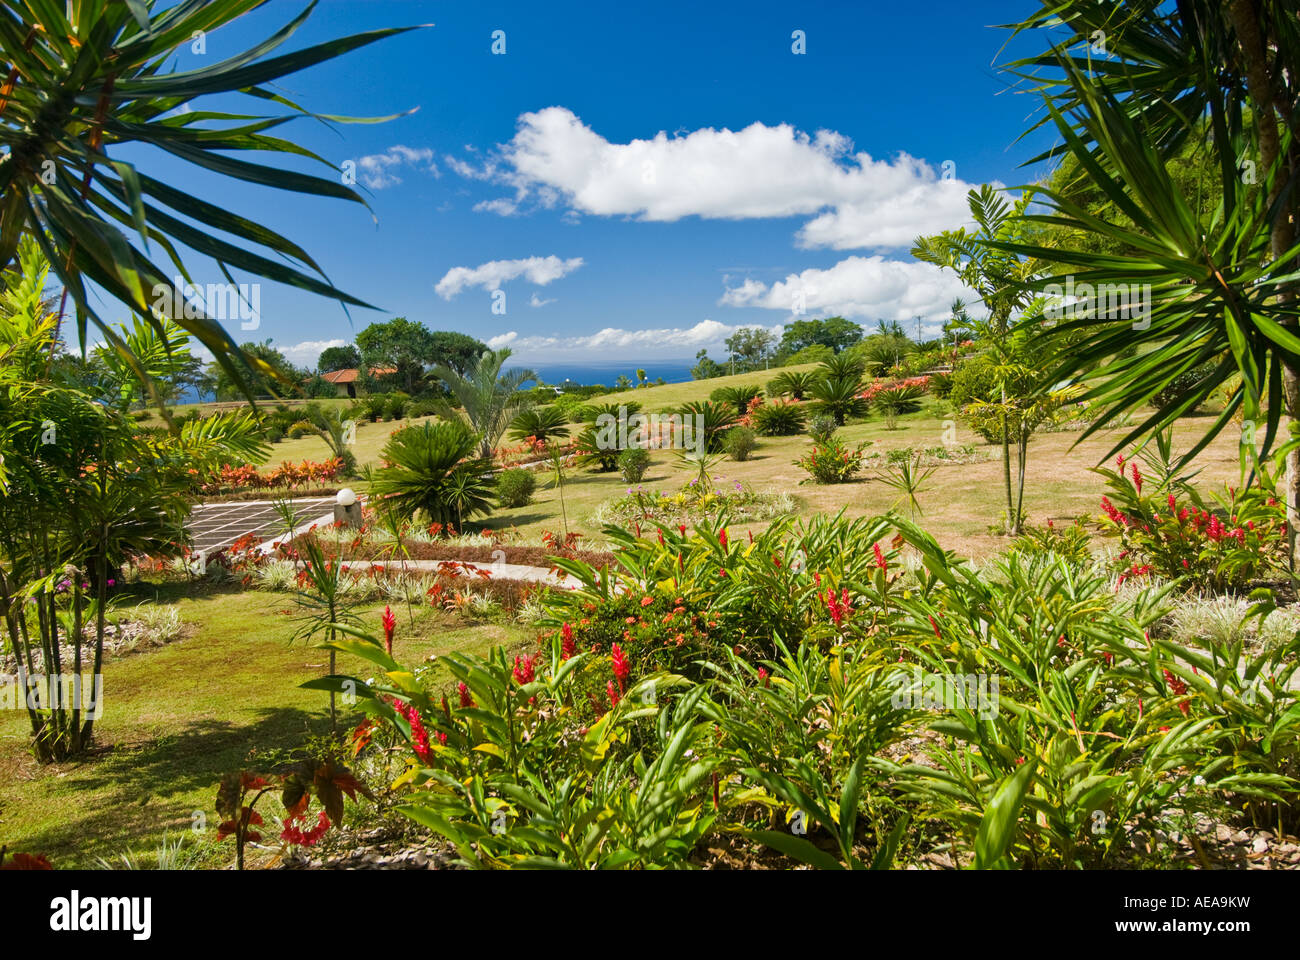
x: 431, y: 469
x: 346, y: 357
x: 490, y: 398
x: 982, y: 261
x: 85, y: 79
x: 1222, y: 292
x: 160, y: 349
x: 406, y: 346
x: 81, y: 490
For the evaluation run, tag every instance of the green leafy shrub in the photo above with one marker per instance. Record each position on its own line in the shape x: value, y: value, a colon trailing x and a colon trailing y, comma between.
x: 515, y: 487
x: 1165, y: 528
x: 740, y: 442
x: 715, y: 419
x: 395, y: 406
x: 632, y: 464
x: 792, y: 383
x: 821, y: 429
x: 839, y: 396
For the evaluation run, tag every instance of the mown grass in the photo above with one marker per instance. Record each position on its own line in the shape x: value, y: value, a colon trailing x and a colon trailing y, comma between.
x: 179, y: 717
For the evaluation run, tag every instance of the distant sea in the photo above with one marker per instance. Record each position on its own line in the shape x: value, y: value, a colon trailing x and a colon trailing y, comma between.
x: 582, y: 374
x: 587, y: 374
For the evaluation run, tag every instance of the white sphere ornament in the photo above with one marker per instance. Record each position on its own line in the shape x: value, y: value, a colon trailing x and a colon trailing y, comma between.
x: 345, y: 497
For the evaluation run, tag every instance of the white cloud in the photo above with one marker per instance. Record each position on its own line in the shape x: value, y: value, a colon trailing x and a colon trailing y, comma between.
x: 379, y: 170
x: 860, y: 288
x: 663, y: 343
x: 490, y: 275
x: 757, y: 172
x: 306, y: 353
x: 537, y: 301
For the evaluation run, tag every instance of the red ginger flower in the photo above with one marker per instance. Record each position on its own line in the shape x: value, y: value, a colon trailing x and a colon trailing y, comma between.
x: 722, y: 538
x: 466, y: 698
x: 566, y: 642
x: 612, y: 693
x: 620, y: 665
x: 390, y: 624
x: 880, y: 557
x: 763, y: 676
x: 1137, y: 478
x: 524, y: 671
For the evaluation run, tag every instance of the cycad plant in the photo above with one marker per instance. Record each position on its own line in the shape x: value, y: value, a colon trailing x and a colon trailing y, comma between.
x: 490, y: 398
x: 542, y: 423
x: 793, y: 383
x: 431, y: 469
x: 89, y: 77
x: 838, y: 394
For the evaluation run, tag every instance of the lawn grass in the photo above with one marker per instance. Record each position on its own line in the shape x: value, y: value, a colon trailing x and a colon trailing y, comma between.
x: 179, y: 717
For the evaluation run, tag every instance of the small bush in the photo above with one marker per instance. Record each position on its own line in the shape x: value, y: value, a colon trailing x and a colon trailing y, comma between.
x: 395, y: 407
x: 822, y: 429
x: 779, y: 419
x: 832, y: 462
x: 302, y: 428
x: 740, y: 442
x: 515, y: 487
x: 422, y: 408
x: 632, y: 464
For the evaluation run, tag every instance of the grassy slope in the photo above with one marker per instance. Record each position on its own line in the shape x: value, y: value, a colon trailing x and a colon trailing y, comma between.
x: 179, y: 717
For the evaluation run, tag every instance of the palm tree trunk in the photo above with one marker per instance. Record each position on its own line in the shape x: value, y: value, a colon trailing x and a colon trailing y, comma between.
x: 1264, y: 87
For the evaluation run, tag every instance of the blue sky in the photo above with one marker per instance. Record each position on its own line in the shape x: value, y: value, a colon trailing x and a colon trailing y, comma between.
x: 637, y: 179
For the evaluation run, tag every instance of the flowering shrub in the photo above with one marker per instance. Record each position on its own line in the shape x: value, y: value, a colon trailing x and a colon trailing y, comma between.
x: 641, y: 507
x: 1164, y: 528
x: 778, y: 685
x: 287, y: 475
x: 832, y: 461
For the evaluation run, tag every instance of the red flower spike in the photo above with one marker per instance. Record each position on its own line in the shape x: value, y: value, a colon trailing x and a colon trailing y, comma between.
x: 390, y: 624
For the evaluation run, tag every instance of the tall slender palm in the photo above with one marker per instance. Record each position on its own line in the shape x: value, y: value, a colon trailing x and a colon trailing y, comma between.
x: 998, y: 276
x: 489, y: 398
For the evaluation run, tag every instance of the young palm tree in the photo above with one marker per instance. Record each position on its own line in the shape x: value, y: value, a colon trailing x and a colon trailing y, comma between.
x: 490, y: 399
x: 999, y: 276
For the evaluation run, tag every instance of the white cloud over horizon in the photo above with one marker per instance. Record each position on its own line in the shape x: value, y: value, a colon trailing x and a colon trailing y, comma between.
x: 854, y: 201
x: 491, y: 275
x: 859, y: 289
x: 659, y: 343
